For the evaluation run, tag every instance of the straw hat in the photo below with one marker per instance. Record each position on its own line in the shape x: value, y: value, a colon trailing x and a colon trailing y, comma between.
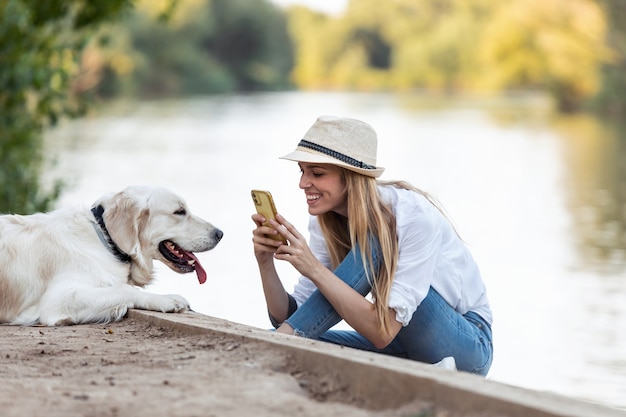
x: 348, y: 143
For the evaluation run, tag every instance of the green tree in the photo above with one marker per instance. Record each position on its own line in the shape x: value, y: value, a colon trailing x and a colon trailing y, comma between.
x: 436, y: 42
x: 611, y: 99
x: 404, y: 45
x: 554, y: 45
x: 318, y: 46
x: 206, y: 47
x: 40, y: 47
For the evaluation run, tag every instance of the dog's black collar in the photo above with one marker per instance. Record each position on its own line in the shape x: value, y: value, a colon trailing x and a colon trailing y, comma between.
x: 106, y: 238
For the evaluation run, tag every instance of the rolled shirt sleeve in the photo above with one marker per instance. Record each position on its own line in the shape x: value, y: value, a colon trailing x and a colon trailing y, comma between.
x: 431, y: 254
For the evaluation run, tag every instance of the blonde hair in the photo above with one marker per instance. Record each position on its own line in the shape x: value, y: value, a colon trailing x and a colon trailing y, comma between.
x: 368, y: 216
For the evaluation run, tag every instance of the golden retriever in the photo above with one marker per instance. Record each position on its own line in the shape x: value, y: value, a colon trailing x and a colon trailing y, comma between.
x: 72, y: 266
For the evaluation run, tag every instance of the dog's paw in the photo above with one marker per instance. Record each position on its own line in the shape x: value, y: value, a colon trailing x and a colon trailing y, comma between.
x: 173, y: 303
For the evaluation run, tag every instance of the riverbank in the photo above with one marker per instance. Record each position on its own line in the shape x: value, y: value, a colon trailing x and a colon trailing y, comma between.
x: 153, y: 364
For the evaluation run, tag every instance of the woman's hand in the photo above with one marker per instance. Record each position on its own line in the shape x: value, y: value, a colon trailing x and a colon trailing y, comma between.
x: 355, y: 309
x: 276, y: 297
x: 297, y: 253
x: 264, y: 247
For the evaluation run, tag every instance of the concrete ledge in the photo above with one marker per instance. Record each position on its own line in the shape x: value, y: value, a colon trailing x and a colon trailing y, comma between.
x: 378, y: 382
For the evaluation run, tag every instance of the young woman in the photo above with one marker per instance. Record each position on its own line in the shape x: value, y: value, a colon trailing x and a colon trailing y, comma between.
x: 385, y: 239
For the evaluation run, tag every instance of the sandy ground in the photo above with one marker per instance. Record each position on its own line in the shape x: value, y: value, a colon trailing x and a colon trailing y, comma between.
x: 188, y: 364
x: 134, y: 368
x: 155, y: 364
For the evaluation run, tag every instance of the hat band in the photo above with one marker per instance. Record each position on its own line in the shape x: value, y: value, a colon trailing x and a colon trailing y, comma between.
x: 337, y: 155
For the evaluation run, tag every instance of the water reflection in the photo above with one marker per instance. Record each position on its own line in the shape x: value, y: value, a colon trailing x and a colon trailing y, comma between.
x: 595, y: 155
x: 540, y: 202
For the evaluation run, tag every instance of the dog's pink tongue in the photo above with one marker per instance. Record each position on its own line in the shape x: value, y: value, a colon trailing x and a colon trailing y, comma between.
x: 199, y: 269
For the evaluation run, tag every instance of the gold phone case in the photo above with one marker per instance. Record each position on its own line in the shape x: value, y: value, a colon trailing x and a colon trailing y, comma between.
x: 264, y: 204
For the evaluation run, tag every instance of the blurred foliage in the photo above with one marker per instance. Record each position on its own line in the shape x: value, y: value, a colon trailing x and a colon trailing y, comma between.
x: 455, y: 46
x: 40, y: 44
x: 611, y: 100
x: 54, y: 54
x: 203, y: 47
x: 572, y: 49
x: 554, y: 45
x: 404, y: 45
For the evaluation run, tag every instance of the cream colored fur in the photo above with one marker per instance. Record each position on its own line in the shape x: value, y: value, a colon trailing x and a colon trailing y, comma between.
x: 55, y: 269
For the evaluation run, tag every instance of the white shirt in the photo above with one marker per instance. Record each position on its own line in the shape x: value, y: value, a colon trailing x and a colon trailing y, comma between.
x: 430, y: 254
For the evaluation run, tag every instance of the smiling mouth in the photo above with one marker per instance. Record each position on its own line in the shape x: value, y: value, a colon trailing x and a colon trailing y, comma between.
x: 181, y: 260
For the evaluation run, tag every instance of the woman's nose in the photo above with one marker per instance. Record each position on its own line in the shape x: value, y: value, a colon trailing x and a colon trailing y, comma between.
x: 304, y: 182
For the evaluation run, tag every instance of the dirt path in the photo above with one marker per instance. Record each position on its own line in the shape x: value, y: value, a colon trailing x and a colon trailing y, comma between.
x: 133, y: 368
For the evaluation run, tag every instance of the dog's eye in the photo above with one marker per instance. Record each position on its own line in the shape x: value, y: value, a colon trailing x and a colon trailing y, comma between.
x: 181, y: 212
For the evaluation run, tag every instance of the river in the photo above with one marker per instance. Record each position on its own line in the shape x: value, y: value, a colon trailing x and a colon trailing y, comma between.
x: 539, y: 199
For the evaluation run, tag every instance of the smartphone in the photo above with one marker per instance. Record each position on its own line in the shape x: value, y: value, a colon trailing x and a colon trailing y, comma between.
x: 264, y: 204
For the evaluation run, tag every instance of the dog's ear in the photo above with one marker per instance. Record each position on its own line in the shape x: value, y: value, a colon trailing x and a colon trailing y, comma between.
x: 124, y: 216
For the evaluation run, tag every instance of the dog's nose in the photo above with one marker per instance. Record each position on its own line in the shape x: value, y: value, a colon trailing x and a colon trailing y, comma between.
x: 218, y: 234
